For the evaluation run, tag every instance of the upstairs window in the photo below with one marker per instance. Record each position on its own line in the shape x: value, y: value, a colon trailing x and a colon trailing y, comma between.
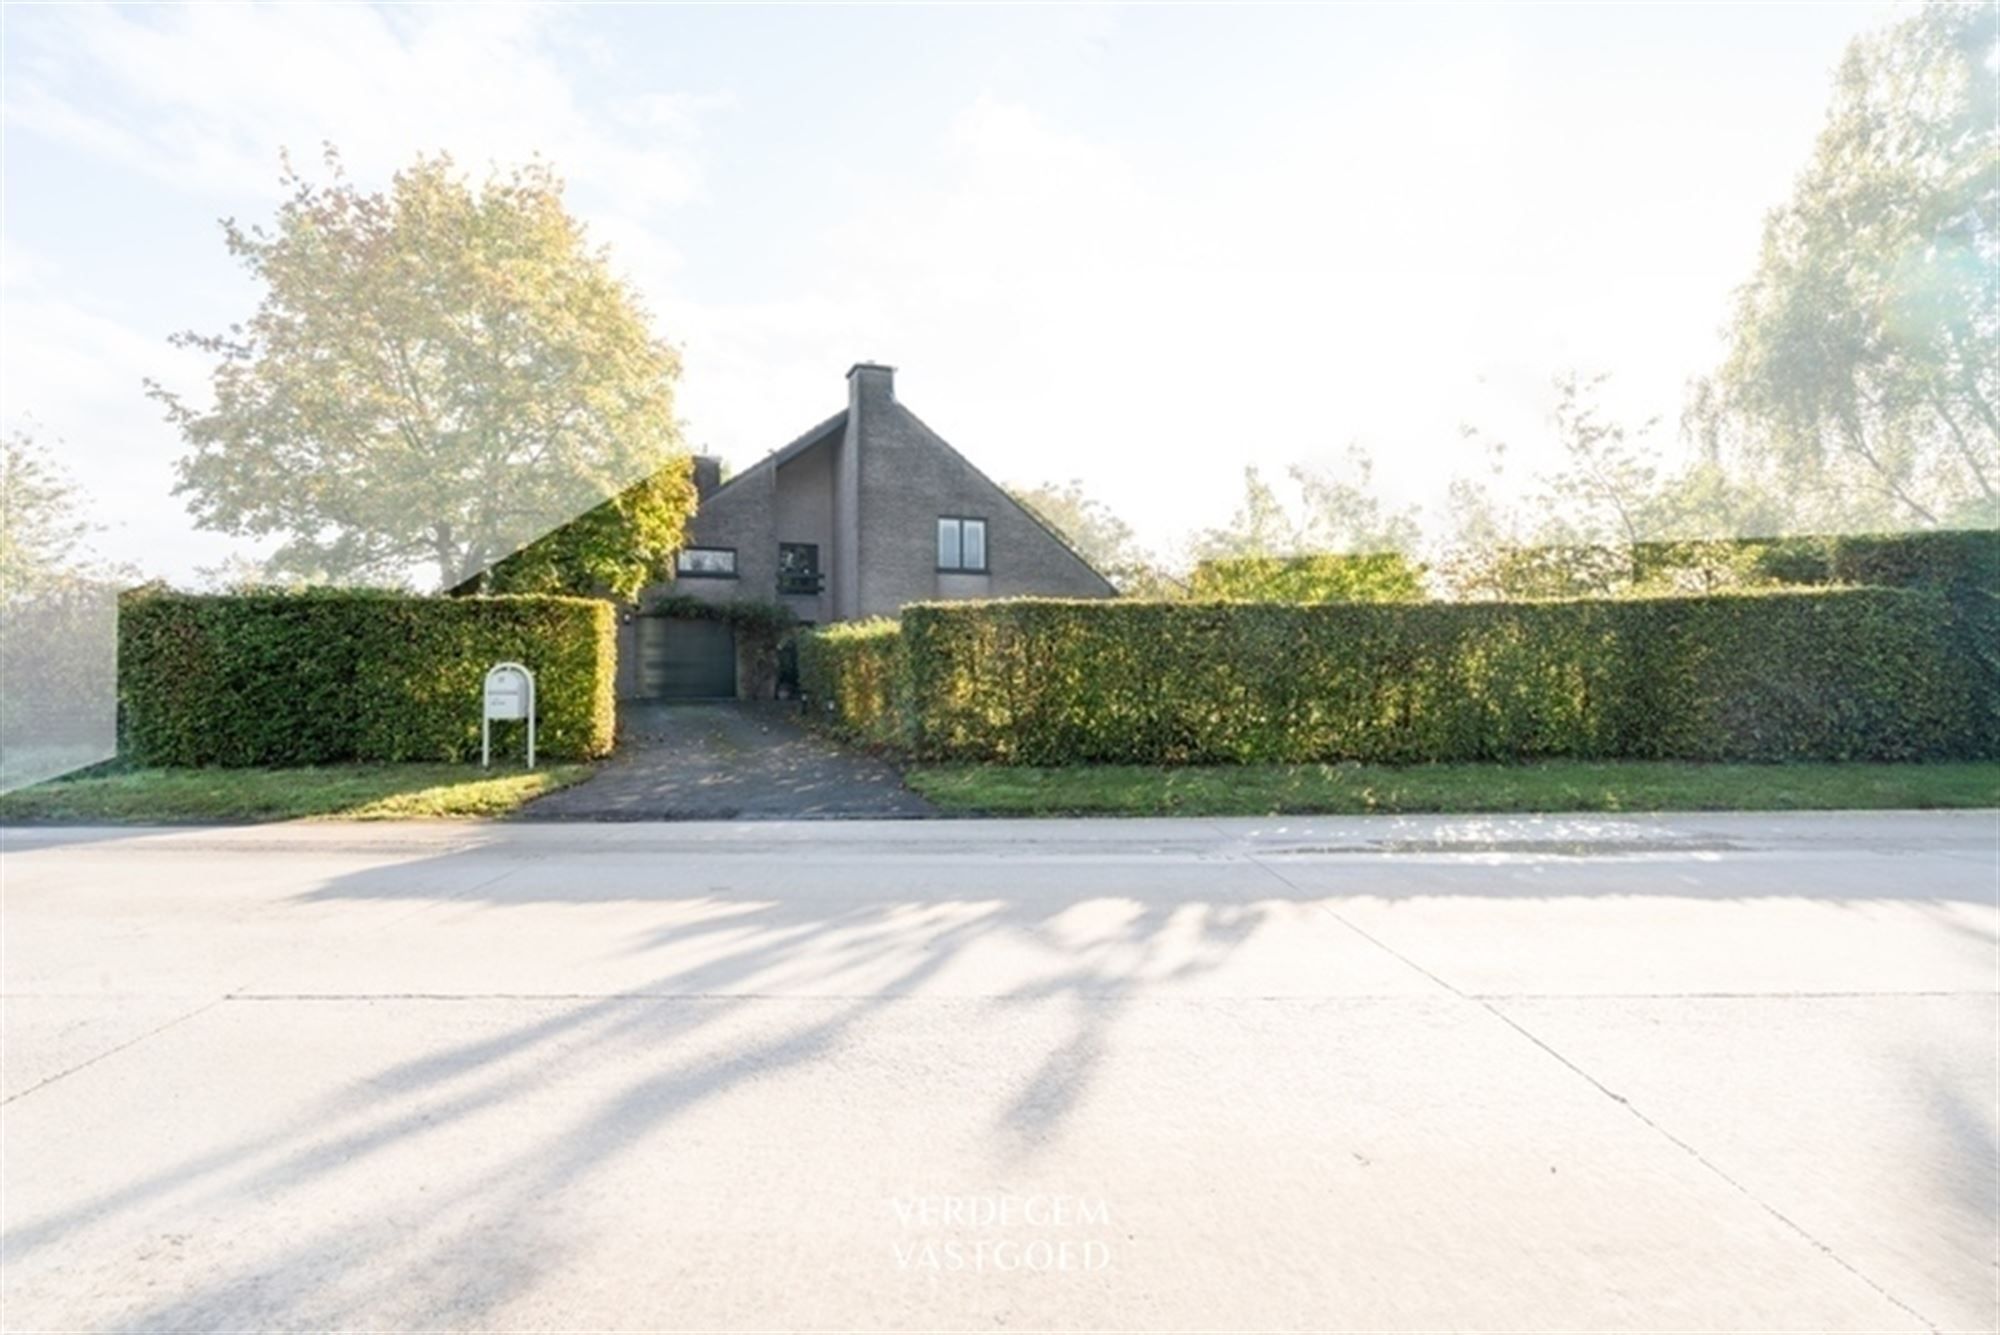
x: 798, y: 568
x: 705, y: 563
x: 961, y: 544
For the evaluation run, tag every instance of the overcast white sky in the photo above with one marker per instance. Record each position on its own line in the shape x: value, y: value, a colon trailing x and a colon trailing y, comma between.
x: 1139, y: 247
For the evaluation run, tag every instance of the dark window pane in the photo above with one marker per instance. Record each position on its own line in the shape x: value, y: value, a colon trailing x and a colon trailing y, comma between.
x: 798, y: 567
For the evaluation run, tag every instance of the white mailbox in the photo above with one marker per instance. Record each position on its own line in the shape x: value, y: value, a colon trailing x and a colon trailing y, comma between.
x: 510, y: 696
x: 506, y: 696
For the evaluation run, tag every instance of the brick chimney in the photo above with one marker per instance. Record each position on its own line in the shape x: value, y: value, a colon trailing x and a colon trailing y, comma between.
x: 870, y: 383
x: 707, y: 475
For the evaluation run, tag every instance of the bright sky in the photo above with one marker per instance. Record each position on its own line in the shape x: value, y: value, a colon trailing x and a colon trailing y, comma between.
x: 1136, y: 246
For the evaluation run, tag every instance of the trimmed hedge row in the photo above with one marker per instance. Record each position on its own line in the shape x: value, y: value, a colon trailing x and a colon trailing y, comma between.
x: 1977, y: 627
x: 1942, y: 558
x: 851, y: 676
x: 1327, y: 577
x: 325, y: 676
x: 1844, y: 674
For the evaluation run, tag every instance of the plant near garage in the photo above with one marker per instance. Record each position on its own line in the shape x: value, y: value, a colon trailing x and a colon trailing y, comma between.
x: 611, y: 550
x: 852, y: 676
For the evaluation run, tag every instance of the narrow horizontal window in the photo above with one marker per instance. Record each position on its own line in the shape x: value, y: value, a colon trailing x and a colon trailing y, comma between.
x: 706, y: 562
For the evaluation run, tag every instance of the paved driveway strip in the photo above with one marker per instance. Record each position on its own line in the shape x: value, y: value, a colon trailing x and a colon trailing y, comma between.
x: 729, y: 761
x: 1721, y: 1073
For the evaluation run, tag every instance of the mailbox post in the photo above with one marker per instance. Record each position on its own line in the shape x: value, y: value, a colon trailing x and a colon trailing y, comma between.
x: 510, y: 694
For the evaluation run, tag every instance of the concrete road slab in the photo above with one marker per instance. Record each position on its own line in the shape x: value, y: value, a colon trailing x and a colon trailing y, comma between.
x: 741, y: 1163
x: 1745, y: 920
x: 1296, y: 1074
x: 48, y: 1036
x: 701, y: 924
x: 130, y: 935
x: 173, y: 916
x: 1869, y: 1110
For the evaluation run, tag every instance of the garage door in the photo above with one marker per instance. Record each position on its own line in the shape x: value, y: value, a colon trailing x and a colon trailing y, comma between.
x: 686, y: 660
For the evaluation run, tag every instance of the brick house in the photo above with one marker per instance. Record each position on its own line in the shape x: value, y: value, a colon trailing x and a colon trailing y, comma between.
x: 863, y: 513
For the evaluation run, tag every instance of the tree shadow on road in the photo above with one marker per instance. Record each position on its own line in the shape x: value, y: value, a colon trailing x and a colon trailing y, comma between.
x: 671, y: 1033
x: 663, y: 1043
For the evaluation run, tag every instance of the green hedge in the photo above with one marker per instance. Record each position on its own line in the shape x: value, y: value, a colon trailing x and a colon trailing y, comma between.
x: 1945, y: 558
x: 1844, y: 674
x: 1371, y: 577
x: 334, y: 675
x: 1977, y: 627
x: 851, y: 677
x: 1938, y: 559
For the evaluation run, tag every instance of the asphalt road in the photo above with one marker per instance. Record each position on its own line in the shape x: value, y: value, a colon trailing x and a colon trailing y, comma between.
x: 1714, y: 1073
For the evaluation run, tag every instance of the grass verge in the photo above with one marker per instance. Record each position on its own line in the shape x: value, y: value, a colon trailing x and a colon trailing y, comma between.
x: 347, y: 792
x: 1636, y: 785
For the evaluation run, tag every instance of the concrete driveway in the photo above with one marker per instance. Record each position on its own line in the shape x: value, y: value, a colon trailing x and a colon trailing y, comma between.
x: 729, y: 760
x: 1716, y: 1073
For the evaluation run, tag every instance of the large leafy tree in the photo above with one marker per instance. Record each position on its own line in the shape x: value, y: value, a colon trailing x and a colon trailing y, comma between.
x: 58, y: 620
x: 1863, y: 348
x: 1340, y: 512
x: 1328, y: 510
x: 1261, y: 525
x: 44, y: 533
x: 1559, y: 543
x: 1608, y: 488
x: 437, y: 374
x: 1574, y: 535
x: 1094, y: 529
x: 1086, y: 523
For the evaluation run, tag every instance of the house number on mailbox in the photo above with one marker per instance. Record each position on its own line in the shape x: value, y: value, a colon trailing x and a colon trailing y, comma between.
x: 510, y: 694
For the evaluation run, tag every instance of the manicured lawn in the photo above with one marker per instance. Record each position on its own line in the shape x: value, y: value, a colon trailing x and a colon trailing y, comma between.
x: 346, y: 792
x: 1258, y: 790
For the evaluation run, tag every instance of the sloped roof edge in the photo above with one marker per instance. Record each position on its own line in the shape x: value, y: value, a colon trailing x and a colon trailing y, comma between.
x: 812, y: 437
x: 1062, y: 540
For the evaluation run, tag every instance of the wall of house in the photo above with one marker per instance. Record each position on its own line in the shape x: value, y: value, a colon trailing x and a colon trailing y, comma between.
x: 739, y: 516
x: 844, y: 584
x: 804, y: 509
x: 909, y: 477
x: 870, y: 497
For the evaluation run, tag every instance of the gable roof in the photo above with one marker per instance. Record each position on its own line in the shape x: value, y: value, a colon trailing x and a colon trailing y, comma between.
x: 833, y: 428
x: 1061, y: 539
x: 784, y: 453
x: 837, y: 425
